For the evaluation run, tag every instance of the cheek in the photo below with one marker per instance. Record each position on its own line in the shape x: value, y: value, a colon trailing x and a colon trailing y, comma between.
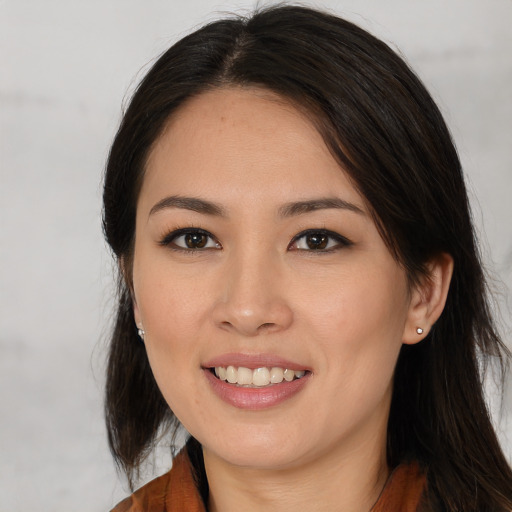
x: 171, y: 309
x: 170, y: 333
x: 359, y: 301
x: 361, y: 342
x: 170, y: 300
x: 359, y: 320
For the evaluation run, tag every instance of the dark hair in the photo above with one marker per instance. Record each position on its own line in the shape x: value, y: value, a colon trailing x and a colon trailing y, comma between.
x: 384, y: 129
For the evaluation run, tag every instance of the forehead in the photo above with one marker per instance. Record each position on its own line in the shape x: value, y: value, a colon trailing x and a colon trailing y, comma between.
x: 245, y: 140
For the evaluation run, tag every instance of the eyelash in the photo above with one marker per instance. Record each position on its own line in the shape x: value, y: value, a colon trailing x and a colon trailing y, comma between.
x: 169, y: 239
x: 340, y: 241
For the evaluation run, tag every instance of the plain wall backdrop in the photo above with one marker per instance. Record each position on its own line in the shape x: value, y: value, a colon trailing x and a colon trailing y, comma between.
x: 65, y: 67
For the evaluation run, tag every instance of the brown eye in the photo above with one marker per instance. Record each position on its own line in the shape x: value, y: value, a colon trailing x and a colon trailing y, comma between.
x: 195, y: 240
x: 317, y: 241
x: 190, y: 239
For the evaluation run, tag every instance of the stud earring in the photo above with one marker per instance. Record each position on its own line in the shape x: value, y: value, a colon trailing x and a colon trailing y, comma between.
x: 419, y: 330
x: 141, y: 332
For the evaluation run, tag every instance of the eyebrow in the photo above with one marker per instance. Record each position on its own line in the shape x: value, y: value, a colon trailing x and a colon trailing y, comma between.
x: 287, y: 210
x: 188, y: 203
x: 323, y: 203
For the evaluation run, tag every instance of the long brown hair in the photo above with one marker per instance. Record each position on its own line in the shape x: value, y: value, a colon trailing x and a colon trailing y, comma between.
x: 386, y: 132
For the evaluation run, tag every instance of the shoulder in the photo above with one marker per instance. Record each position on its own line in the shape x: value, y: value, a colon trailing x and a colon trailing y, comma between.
x: 404, y: 490
x: 149, y: 498
x: 174, y: 491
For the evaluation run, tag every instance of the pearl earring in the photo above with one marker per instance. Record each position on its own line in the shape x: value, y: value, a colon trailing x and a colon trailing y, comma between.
x: 419, y: 330
x: 141, y: 332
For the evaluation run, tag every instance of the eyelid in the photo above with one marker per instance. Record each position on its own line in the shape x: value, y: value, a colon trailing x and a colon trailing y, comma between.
x: 167, y: 239
x: 340, y: 239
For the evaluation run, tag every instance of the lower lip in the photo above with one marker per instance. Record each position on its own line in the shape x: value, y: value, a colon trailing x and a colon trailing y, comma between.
x: 255, y: 398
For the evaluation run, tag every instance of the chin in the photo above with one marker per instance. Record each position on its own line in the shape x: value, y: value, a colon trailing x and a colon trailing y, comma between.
x: 257, y: 451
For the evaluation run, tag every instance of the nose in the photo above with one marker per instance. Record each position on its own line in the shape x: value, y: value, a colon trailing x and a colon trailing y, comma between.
x: 253, y: 299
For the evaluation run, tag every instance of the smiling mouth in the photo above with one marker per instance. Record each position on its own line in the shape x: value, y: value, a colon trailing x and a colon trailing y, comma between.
x: 257, y: 378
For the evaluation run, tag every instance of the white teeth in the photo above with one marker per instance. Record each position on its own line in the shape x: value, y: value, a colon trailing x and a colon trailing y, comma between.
x: 231, y: 374
x: 244, y: 376
x: 289, y: 375
x: 258, y: 377
x: 276, y: 375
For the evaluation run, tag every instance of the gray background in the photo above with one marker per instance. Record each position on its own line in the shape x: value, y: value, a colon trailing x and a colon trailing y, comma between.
x: 65, y: 67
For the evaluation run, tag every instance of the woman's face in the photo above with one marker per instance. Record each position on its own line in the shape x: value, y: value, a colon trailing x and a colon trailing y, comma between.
x: 255, y: 254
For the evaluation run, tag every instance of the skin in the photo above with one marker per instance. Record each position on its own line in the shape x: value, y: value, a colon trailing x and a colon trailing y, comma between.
x: 342, y: 313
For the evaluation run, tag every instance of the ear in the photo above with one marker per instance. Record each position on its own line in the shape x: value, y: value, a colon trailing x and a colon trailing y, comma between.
x: 428, y: 298
x: 136, y: 314
x: 126, y: 272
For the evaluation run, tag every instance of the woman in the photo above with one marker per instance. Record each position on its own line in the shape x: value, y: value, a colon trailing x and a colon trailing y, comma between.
x: 300, y: 285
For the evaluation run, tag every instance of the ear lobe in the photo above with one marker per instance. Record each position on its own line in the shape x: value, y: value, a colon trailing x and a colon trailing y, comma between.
x: 428, y: 299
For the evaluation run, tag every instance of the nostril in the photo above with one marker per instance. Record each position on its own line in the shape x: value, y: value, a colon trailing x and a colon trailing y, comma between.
x: 265, y: 326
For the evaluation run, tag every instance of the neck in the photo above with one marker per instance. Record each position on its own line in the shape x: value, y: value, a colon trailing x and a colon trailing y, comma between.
x: 350, y: 481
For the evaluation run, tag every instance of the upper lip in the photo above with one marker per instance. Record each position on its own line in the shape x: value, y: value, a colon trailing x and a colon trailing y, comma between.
x: 253, y: 361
